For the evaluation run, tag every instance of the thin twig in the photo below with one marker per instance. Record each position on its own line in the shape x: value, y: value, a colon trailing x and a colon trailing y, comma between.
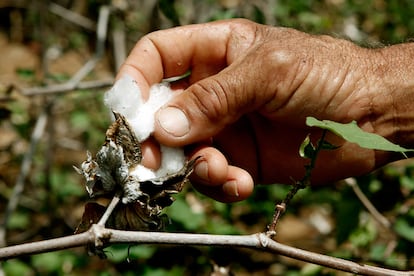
x: 260, y: 241
x: 102, y: 29
x: 67, y: 87
x: 383, y: 221
x: 73, y: 17
x: 111, y: 207
x: 74, y: 82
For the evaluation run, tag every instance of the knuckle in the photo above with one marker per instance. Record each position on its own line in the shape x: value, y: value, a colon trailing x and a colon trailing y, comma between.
x: 211, y: 99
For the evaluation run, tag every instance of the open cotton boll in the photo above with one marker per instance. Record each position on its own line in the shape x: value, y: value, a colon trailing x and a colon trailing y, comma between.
x: 125, y: 98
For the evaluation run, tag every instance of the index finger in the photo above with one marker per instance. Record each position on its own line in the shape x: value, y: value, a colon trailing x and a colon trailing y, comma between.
x: 204, y: 49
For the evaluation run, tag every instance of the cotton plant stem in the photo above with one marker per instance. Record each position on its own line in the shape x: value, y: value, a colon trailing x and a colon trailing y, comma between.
x: 45, y: 246
x: 101, y: 236
x: 111, y: 207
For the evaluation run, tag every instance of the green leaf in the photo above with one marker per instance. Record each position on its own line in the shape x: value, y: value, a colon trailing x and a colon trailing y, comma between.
x: 258, y: 15
x: 80, y: 120
x: 19, y: 220
x: 52, y: 263
x: 404, y: 229
x: 120, y: 252
x: 352, y: 133
x: 306, y: 149
x: 25, y: 73
x: 377, y: 252
x: 407, y: 182
x: 347, y: 217
x: 181, y: 212
x: 363, y: 235
x: 17, y: 267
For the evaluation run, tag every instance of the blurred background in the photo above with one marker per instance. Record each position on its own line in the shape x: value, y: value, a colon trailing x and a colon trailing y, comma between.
x: 57, y: 60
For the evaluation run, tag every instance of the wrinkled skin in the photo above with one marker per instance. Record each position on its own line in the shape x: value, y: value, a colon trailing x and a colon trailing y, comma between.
x: 251, y: 88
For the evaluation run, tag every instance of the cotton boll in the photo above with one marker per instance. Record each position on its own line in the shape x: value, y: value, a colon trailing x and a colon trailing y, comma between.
x: 124, y: 97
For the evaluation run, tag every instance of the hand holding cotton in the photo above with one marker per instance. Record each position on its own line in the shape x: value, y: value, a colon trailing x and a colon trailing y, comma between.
x: 125, y: 98
x: 117, y: 166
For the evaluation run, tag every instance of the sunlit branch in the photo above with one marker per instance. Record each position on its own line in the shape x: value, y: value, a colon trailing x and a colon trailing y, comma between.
x: 100, y: 236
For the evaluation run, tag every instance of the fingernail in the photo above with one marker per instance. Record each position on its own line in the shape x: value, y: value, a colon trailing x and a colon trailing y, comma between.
x: 230, y: 188
x: 201, y: 170
x: 173, y: 121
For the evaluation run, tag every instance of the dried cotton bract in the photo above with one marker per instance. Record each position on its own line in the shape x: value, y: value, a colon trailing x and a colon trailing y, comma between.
x: 117, y: 167
x: 125, y: 98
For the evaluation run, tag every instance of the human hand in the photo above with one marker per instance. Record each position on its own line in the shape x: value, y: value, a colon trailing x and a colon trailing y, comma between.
x: 243, y: 107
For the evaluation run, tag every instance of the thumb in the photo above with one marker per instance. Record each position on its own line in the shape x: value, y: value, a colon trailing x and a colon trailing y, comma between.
x: 202, y: 110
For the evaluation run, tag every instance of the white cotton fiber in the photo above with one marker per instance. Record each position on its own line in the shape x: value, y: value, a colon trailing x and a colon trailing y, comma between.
x: 143, y: 123
x: 173, y: 160
x: 142, y: 173
x: 125, y: 97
